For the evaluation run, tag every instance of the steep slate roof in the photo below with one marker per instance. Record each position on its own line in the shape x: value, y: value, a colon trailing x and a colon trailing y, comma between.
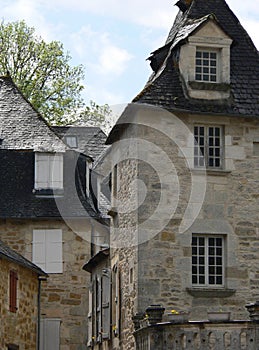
x: 22, y: 132
x: 91, y: 140
x: 9, y: 254
x: 17, y: 197
x: 164, y: 87
x: 21, y: 126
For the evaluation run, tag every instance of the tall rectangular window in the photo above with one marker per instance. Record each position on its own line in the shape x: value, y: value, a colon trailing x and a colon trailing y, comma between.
x: 208, y: 146
x: 207, y: 260
x: 48, y: 171
x: 206, y: 63
x: 13, y: 281
x: 47, y: 250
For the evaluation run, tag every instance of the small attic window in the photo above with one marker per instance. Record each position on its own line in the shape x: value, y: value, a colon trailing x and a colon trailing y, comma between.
x: 71, y: 141
x: 206, y: 66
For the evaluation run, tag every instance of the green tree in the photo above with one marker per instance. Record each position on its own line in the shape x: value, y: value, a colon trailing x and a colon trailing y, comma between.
x: 96, y: 115
x: 42, y: 72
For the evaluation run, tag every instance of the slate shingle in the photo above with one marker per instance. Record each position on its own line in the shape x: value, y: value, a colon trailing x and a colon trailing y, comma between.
x: 9, y: 254
x: 165, y: 88
x: 91, y: 140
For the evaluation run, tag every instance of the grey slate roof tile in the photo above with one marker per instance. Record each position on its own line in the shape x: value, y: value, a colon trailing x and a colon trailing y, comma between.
x: 21, y: 126
x: 23, y: 131
x: 165, y: 89
x: 9, y: 254
x: 91, y: 140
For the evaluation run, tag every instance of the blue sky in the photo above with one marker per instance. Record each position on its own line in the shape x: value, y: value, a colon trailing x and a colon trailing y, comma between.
x: 112, y: 38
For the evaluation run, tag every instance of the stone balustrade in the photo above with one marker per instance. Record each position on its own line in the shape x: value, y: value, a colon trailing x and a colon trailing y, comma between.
x: 200, y: 335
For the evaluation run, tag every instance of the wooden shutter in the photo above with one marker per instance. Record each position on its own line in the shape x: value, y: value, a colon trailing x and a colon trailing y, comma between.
x: 117, y: 300
x: 38, y: 248
x: 98, y: 309
x: 54, y: 260
x: 47, y: 250
x: 13, y: 278
x: 41, y: 171
x: 106, y: 304
x: 50, y: 334
x: 90, y: 317
x: 56, y: 171
x: 48, y: 170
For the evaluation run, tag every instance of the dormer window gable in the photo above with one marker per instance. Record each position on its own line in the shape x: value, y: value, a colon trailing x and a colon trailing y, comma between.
x: 205, y: 62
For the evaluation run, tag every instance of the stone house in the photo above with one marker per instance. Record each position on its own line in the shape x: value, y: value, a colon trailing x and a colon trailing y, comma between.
x: 19, y: 300
x: 183, y: 165
x: 48, y: 213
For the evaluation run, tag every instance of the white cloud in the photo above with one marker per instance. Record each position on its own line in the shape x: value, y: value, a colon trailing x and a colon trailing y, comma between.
x: 30, y: 11
x: 113, y: 60
x: 100, y: 53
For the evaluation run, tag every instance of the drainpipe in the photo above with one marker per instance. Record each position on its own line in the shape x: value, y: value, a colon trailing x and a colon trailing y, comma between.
x: 40, y: 278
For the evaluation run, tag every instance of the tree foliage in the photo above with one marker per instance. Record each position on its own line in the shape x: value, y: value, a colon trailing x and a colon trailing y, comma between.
x: 96, y: 115
x: 42, y: 72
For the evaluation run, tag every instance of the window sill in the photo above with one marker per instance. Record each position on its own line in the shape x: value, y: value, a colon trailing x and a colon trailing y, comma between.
x: 199, y: 85
x: 210, y: 171
x: 211, y: 292
x: 48, y: 192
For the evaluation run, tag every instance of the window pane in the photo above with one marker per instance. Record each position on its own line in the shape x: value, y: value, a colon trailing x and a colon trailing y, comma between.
x: 201, y: 279
x: 206, y: 66
x: 219, y: 280
x: 194, y: 279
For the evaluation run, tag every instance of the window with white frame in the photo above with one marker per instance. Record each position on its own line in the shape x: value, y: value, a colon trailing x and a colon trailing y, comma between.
x: 206, y: 65
x: 208, y: 146
x: 207, y: 261
x: 48, y: 171
x: 47, y: 250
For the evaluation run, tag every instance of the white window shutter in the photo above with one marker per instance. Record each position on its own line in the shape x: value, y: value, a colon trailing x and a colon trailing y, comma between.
x: 48, y: 170
x: 56, y: 171
x: 54, y: 260
x: 50, y: 334
x: 47, y: 250
x: 41, y: 171
x: 106, y: 304
x: 38, y: 249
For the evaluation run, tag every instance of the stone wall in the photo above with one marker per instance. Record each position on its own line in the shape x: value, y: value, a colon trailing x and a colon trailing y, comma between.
x: 18, y: 328
x: 65, y: 295
x: 221, y: 202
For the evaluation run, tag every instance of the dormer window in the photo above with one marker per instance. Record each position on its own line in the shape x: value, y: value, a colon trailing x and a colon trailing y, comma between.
x: 206, y: 65
x: 71, y: 141
x: 205, y: 61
